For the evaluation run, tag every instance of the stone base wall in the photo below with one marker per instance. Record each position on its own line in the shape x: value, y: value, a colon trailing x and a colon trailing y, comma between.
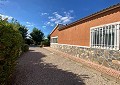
x: 108, y: 58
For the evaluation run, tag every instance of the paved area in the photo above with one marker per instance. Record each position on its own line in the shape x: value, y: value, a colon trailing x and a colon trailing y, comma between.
x: 42, y: 67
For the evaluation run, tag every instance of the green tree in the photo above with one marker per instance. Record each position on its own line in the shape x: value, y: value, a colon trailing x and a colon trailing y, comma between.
x: 28, y: 41
x: 37, y: 36
x: 22, y: 29
x: 48, y: 37
x: 46, y: 41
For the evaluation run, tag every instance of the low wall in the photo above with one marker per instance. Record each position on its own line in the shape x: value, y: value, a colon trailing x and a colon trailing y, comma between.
x: 108, y: 58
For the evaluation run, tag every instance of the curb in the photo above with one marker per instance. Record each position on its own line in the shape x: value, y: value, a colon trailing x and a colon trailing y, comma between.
x: 105, y: 70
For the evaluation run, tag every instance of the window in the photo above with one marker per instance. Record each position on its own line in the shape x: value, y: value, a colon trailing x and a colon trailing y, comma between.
x: 54, y: 39
x: 105, y: 36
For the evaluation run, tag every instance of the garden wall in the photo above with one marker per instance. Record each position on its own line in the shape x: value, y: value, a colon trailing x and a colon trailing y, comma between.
x: 108, y: 58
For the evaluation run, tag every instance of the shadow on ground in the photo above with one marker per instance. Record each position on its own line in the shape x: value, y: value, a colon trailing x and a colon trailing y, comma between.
x: 31, y: 70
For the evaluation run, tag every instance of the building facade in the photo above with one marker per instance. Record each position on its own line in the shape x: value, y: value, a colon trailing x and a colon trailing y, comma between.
x: 99, y: 31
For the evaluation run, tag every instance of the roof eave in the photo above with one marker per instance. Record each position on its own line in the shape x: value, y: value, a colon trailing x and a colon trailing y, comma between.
x: 92, y: 15
x: 54, y: 29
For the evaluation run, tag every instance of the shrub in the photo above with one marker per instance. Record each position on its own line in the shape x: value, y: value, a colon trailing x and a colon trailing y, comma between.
x: 46, y: 42
x: 10, y: 47
x: 25, y: 47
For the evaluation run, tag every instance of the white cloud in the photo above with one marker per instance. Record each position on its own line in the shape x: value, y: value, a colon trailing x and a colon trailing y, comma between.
x: 44, y: 26
x: 61, y: 18
x: 48, y: 24
x: 54, y: 12
x: 44, y: 14
x: 56, y: 18
x: 52, y: 24
x: 58, y: 22
x: 64, y: 18
x: 5, y: 16
x: 52, y: 19
x: 71, y: 11
x: 28, y: 24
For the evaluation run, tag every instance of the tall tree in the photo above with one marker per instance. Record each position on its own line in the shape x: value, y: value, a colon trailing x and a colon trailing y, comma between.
x: 48, y: 37
x: 37, y: 36
x: 22, y: 29
x: 48, y: 40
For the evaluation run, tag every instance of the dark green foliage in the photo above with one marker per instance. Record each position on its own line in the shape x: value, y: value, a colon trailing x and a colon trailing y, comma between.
x: 46, y: 42
x: 10, y: 48
x: 48, y: 37
x: 28, y: 41
x: 25, y: 47
x: 37, y: 36
x: 23, y: 30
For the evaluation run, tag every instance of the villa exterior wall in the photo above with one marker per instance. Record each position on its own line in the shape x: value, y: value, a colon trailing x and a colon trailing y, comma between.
x: 80, y: 33
x: 75, y: 40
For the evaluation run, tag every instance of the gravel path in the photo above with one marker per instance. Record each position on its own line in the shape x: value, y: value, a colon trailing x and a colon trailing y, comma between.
x: 42, y: 67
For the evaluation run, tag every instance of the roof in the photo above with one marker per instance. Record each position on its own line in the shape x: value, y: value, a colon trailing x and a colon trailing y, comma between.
x: 90, y: 16
x: 57, y: 26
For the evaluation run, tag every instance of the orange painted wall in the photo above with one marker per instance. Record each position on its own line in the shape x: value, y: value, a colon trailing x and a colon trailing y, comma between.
x: 80, y: 33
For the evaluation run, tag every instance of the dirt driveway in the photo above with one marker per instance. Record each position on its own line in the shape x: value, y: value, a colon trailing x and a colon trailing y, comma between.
x: 42, y: 67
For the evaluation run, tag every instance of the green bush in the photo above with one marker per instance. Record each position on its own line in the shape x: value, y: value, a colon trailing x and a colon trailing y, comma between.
x: 46, y: 42
x: 10, y: 48
x: 29, y: 41
x: 25, y: 47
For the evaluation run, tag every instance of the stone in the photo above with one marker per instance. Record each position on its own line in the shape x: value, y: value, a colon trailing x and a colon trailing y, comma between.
x: 99, y: 56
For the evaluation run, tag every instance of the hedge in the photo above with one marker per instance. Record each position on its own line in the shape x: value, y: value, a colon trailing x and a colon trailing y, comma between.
x: 10, y: 48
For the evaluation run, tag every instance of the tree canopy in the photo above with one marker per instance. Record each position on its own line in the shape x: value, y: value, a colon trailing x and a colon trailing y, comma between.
x: 22, y: 29
x: 37, y: 35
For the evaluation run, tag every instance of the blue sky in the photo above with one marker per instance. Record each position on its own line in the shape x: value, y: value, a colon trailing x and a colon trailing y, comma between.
x: 45, y: 14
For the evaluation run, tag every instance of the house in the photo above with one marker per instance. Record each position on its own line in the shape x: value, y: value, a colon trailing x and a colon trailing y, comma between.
x: 100, y: 30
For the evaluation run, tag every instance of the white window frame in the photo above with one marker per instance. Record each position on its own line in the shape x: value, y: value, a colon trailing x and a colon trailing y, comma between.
x: 56, y: 37
x: 106, y: 34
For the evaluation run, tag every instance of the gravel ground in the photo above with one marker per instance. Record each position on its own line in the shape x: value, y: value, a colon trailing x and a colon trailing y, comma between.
x: 42, y: 67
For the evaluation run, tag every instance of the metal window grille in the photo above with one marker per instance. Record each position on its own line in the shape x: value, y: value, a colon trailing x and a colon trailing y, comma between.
x: 105, y: 36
